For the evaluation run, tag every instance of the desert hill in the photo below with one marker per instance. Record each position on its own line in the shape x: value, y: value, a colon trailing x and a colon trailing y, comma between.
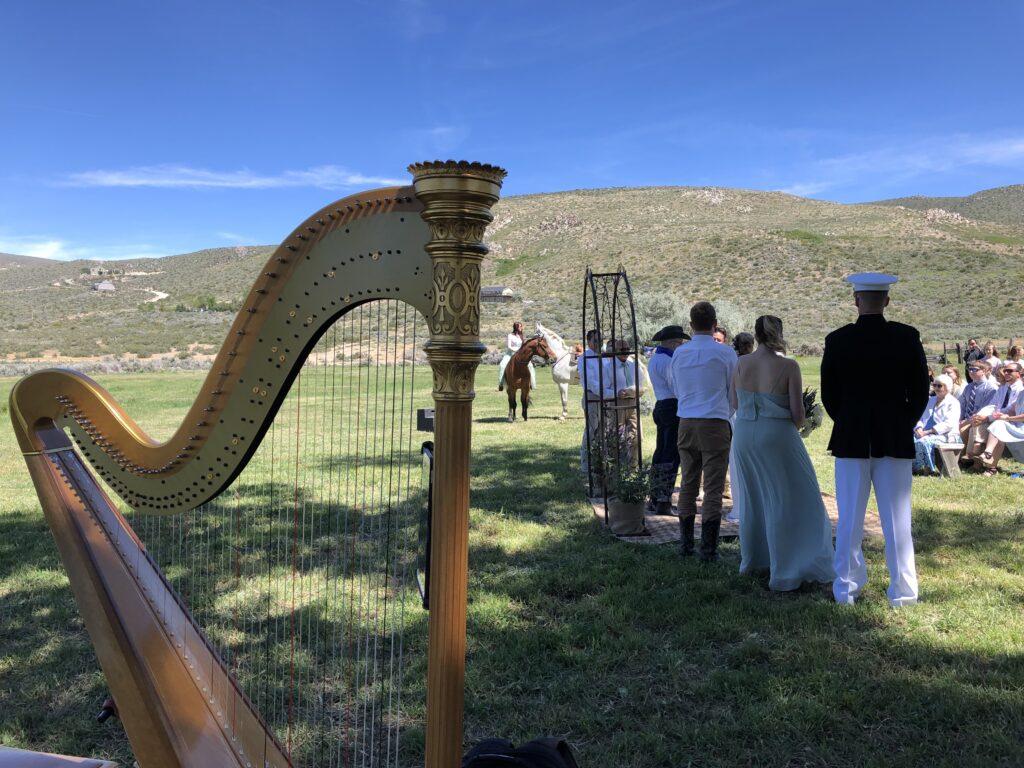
x: 1004, y: 205
x: 753, y: 252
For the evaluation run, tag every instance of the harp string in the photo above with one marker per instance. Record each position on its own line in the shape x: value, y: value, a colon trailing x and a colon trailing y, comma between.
x: 299, y: 573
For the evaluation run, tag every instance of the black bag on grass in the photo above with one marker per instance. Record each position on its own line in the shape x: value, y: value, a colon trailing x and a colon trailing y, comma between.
x: 539, y: 753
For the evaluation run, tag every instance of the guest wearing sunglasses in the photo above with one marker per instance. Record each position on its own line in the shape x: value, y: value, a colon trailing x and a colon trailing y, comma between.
x: 1006, y: 423
x: 1004, y: 402
x: 978, y: 393
x: 938, y: 424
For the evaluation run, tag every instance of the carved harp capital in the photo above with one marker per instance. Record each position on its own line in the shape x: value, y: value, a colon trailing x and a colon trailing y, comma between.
x: 457, y: 198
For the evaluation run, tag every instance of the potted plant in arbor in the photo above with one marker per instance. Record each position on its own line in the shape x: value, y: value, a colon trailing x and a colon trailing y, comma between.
x: 628, y: 491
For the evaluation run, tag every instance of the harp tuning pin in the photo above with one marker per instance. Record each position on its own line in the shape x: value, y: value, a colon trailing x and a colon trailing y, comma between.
x: 202, y: 424
x: 311, y: 229
x: 320, y: 222
x: 292, y: 248
x: 301, y: 237
x: 217, y: 392
x: 208, y: 409
x: 261, y: 290
x: 270, y: 274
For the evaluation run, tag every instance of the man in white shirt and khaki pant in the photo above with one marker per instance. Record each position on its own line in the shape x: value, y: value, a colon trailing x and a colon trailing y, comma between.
x: 701, y: 372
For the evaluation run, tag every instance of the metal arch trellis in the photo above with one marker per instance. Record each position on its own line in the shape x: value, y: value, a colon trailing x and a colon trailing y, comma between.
x: 611, y: 440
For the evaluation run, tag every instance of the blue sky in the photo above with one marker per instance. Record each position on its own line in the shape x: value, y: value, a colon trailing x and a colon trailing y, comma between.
x: 144, y: 129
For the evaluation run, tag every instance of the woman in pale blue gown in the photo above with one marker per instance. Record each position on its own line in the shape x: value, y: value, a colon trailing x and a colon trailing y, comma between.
x: 783, y: 524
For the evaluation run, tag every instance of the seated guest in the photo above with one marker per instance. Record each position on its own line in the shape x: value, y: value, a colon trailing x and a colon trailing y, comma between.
x: 978, y: 393
x: 990, y: 354
x: 958, y: 385
x: 938, y: 424
x: 1015, y: 353
x: 1006, y: 426
x: 1001, y: 403
x: 720, y: 334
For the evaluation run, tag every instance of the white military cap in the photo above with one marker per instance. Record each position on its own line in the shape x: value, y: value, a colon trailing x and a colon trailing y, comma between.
x: 871, y: 281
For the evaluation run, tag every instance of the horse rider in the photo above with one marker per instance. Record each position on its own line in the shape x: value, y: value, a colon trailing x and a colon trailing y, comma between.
x: 513, y: 344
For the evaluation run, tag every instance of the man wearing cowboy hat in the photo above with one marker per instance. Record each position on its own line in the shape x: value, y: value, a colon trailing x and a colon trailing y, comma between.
x: 665, y: 462
x: 873, y: 436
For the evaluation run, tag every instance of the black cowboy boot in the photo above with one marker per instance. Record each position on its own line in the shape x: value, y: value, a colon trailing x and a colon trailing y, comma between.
x: 709, y: 541
x: 661, y: 491
x: 686, y: 536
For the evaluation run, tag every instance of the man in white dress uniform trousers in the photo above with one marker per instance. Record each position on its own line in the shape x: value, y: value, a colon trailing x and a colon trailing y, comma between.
x: 873, y: 436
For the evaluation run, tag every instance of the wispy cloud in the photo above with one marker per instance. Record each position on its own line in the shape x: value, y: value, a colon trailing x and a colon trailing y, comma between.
x: 806, y: 189
x: 185, y: 177
x: 443, y: 139
x: 417, y: 19
x: 234, y: 238
x: 886, y: 164
x: 63, y: 250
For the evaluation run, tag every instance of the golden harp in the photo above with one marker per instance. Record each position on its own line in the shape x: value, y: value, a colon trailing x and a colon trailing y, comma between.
x: 181, y: 702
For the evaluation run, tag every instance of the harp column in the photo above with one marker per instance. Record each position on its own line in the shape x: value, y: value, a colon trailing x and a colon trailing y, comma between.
x: 457, y: 197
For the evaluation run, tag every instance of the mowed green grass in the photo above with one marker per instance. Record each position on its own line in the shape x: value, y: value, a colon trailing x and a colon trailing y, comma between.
x: 637, y: 657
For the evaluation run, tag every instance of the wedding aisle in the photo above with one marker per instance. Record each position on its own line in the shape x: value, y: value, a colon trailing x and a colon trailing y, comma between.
x: 664, y: 529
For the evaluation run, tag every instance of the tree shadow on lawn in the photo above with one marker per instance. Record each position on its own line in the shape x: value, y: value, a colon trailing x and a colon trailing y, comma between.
x: 642, y: 658
x: 51, y: 688
x: 638, y: 657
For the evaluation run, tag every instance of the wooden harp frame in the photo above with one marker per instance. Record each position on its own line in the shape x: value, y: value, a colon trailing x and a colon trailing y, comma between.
x: 422, y: 244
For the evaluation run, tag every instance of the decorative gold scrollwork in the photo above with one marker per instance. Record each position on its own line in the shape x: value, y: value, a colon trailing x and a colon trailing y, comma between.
x: 458, y: 230
x: 456, y: 299
x: 454, y: 380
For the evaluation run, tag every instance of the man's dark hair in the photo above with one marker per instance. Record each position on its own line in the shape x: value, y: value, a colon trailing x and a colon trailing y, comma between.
x: 703, y: 316
x: 873, y: 300
x: 593, y: 335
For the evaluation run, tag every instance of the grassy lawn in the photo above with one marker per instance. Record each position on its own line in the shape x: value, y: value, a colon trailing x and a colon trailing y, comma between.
x: 637, y: 657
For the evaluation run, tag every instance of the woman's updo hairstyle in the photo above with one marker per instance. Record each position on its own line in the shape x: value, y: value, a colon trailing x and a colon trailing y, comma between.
x: 768, y: 331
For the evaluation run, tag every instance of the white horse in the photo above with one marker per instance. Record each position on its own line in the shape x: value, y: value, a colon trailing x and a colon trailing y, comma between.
x: 563, y: 371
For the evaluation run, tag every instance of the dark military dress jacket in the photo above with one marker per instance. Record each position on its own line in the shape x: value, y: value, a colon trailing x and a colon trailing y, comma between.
x: 874, y: 386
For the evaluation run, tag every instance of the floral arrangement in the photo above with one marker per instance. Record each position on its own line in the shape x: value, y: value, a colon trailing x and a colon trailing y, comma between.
x: 814, y: 414
x: 629, y: 483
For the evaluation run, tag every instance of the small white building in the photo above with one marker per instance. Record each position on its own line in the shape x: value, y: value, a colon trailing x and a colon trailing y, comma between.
x: 496, y: 293
x: 105, y: 287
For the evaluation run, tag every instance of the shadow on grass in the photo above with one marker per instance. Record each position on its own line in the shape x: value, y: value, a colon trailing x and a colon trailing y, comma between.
x: 350, y: 627
x: 638, y: 657
x: 641, y: 658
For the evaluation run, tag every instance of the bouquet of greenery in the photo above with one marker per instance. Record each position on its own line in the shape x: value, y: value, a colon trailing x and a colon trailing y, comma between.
x: 814, y: 414
x: 629, y: 483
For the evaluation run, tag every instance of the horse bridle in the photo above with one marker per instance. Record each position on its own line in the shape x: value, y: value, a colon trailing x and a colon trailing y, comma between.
x: 540, y: 337
x: 568, y: 351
